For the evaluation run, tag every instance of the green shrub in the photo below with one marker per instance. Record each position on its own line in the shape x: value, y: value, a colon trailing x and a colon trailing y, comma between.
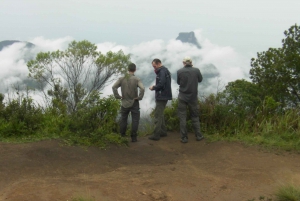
x: 93, y: 123
x: 288, y: 193
x: 20, y: 117
x: 95, y: 118
x: 83, y: 199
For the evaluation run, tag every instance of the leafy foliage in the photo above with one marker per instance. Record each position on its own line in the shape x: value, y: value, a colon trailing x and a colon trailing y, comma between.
x: 72, y: 75
x: 277, y: 70
x: 94, y: 123
x: 288, y: 193
x: 95, y: 119
x: 71, y: 82
x: 242, y: 96
x: 19, y: 117
x: 264, y: 111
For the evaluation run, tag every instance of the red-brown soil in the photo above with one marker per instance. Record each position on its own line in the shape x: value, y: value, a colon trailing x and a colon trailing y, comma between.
x: 166, y: 170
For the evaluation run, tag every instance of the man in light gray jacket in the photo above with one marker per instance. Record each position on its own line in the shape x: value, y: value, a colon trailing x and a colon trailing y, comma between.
x: 130, y: 100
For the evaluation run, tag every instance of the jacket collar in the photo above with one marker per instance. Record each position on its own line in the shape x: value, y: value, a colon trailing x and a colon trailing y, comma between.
x: 157, y: 70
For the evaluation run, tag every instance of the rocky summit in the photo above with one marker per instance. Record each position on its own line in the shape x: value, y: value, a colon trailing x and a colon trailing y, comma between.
x: 188, y: 37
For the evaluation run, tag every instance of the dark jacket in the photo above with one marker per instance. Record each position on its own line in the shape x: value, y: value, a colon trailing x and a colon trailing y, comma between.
x: 188, y: 78
x: 162, y: 87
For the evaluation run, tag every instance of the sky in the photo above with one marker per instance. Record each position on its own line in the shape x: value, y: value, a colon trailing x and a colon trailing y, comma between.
x: 230, y: 33
x: 247, y: 26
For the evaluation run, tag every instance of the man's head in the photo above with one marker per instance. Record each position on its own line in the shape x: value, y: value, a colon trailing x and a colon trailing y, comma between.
x: 132, y: 67
x: 156, y: 63
x: 187, y: 61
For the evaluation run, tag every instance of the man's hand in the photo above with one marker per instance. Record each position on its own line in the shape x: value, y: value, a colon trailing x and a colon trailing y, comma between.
x: 151, y: 88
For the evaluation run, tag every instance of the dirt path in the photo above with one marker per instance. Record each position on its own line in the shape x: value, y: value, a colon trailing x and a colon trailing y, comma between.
x: 165, y: 170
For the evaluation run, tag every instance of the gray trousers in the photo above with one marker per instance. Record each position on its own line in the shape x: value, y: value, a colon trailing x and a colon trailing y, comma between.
x: 135, y: 116
x: 159, y: 120
x: 194, y: 111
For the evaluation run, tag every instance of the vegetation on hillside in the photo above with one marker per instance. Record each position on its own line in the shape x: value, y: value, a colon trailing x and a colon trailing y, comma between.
x: 264, y: 110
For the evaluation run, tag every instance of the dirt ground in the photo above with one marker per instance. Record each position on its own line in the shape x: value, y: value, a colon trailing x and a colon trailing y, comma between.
x: 166, y: 170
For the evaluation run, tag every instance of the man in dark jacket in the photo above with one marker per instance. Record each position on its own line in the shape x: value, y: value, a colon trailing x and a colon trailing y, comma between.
x: 163, y: 93
x: 188, y: 78
x: 130, y: 100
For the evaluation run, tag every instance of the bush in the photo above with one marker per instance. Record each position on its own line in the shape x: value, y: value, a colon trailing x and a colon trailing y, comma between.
x: 288, y: 193
x: 221, y: 119
x: 20, y: 117
x: 95, y: 118
x: 93, y: 123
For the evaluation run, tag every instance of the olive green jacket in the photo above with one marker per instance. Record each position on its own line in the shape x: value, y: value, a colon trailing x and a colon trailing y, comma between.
x: 129, y: 87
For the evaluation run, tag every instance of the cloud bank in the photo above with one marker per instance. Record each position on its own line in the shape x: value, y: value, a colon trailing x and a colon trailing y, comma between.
x: 218, y: 64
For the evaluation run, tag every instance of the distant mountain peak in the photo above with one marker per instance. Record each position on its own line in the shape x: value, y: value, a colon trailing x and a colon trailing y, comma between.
x: 6, y: 43
x: 188, y: 37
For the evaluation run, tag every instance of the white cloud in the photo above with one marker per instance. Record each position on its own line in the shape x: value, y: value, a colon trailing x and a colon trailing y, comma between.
x: 108, y: 46
x: 12, y: 65
x: 229, y: 63
x: 43, y: 44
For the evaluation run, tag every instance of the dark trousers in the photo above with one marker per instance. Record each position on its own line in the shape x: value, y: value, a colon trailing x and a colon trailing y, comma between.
x: 159, y: 120
x: 135, y: 116
x: 194, y: 111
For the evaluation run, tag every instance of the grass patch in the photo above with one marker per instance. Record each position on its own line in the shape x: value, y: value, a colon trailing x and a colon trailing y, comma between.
x: 284, y: 193
x: 146, y: 126
x: 29, y: 138
x: 69, y: 139
x: 283, y: 141
x: 83, y: 199
x: 288, y: 193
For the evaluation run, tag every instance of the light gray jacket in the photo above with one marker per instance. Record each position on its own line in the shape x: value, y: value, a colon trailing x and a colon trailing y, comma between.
x: 129, y: 87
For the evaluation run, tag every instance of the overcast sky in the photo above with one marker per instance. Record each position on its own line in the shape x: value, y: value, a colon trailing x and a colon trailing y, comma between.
x: 230, y: 32
x: 248, y: 26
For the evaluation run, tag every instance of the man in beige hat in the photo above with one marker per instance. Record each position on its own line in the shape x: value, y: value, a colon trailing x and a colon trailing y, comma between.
x: 188, y: 79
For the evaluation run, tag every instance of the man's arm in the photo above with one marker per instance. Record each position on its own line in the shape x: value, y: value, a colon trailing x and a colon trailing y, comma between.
x: 199, y: 76
x: 162, y: 81
x: 142, y: 90
x: 115, y: 89
x: 178, y: 78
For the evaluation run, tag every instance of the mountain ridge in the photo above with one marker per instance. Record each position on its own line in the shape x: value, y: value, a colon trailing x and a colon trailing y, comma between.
x: 6, y: 43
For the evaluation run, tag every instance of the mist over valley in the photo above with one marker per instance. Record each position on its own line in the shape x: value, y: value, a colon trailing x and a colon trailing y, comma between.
x: 218, y: 65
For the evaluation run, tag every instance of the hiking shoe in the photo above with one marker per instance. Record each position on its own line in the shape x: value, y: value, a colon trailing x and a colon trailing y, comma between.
x: 184, y: 140
x: 198, y: 138
x: 133, y: 139
x: 153, y: 138
x: 164, y: 135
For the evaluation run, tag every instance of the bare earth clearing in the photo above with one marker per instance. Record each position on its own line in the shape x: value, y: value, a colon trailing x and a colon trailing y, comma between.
x: 165, y: 170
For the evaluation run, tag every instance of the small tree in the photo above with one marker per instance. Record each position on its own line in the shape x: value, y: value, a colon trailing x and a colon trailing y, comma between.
x: 242, y: 96
x: 277, y: 71
x: 71, y: 76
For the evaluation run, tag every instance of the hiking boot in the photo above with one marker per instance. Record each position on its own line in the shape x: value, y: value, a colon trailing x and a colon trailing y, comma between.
x: 133, y: 139
x: 198, y: 138
x: 184, y: 140
x: 152, y: 137
x: 164, y: 135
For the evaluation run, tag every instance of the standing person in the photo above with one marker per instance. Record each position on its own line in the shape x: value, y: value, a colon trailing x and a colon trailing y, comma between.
x: 130, y: 100
x: 188, y: 79
x: 163, y: 93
